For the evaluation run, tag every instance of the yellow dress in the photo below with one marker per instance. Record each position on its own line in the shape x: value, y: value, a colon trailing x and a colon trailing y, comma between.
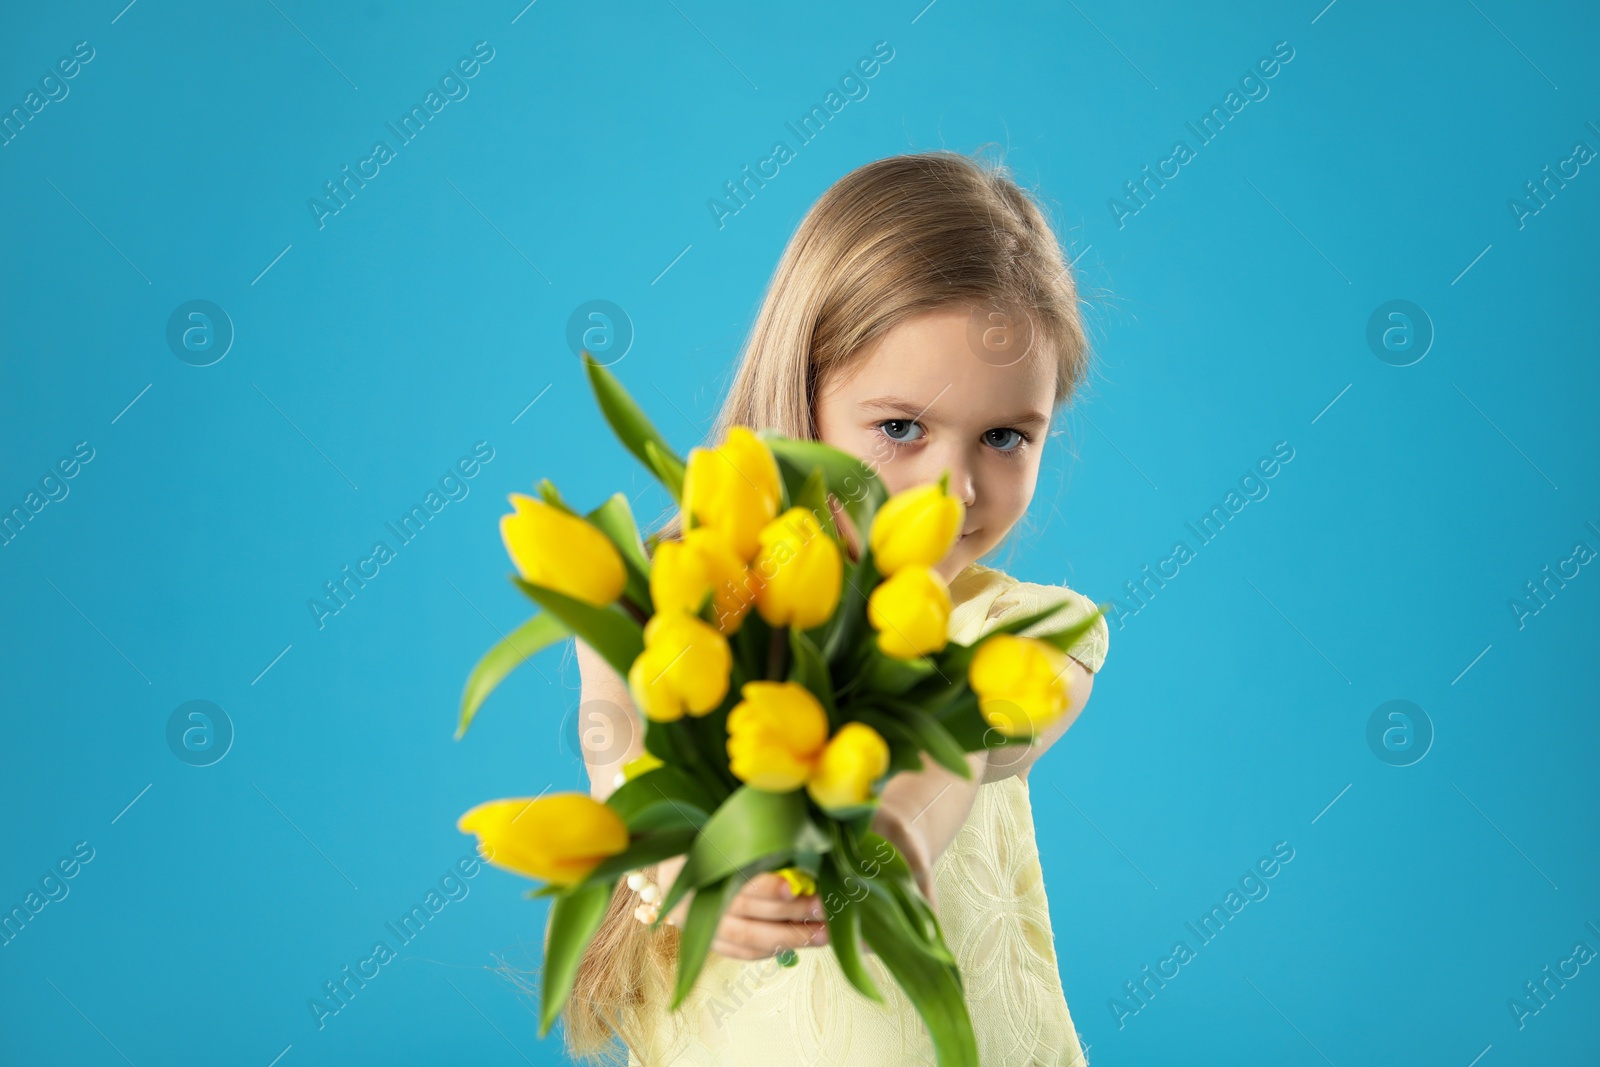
x: 991, y: 906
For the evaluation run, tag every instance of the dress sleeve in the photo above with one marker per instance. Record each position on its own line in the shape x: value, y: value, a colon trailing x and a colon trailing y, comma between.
x: 1025, y: 598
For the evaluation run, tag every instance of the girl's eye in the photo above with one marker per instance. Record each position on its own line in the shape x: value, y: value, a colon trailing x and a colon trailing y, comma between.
x: 1018, y: 438
x: 1010, y: 440
x: 896, y: 423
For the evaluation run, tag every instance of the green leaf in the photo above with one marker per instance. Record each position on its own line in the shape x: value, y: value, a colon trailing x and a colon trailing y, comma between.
x: 709, y: 735
x: 751, y: 824
x: 807, y: 668
x: 886, y: 674
x: 610, y: 631
x: 675, y: 744
x: 844, y: 928
x: 857, y: 487
x: 552, y: 496
x: 964, y: 722
x: 792, y: 479
x: 643, y: 851
x: 752, y: 827
x: 813, y: 496
x: 751, y: 643
x: 668, y: 816
x: 660, y: 742
x: 700, y: 929
x: 955, y: 659
x: 633, y: 428
x: 933, y: 985
x: 1065, y: 639
x: 667, y: 468
x: 661, y: 787
x: 574, y: 918
x: 932, y: 736
x: 615, y: 519
x: 507, y: 655
x: 854, y: 811
x: 850, y: 617
x: 893, y: 876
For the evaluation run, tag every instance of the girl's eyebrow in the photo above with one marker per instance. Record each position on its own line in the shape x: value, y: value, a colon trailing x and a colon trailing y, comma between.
x: 889, y: 402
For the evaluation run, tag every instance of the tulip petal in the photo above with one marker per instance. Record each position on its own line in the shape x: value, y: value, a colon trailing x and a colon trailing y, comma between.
x: 855, y: 758
x: 562, y: 552
x: 915, y: 526
x: 557, y: 838
x: 775, y: 735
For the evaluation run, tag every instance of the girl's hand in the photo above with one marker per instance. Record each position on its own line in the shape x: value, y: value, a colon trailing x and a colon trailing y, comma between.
x: 762, y: 919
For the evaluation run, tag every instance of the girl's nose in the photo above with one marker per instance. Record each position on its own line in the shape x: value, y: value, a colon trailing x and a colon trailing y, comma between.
x: 962, y: 485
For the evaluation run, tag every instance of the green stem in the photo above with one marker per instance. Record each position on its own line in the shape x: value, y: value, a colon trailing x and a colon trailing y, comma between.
x: 775, y: 653
x: 635, y: 612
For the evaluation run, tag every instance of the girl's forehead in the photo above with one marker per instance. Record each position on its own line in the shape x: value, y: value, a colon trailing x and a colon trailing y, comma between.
x: 934, y: 374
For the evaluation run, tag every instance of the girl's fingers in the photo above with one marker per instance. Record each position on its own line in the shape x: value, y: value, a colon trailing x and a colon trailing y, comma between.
x: 781, y: 909
x: 766, y: 897
x: 754, y: 939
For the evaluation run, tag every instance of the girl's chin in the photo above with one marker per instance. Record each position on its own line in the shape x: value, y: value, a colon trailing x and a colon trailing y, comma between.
x: 956, y: 562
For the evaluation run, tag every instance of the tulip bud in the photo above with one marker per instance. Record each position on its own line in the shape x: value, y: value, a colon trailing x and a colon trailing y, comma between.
x: 682, y: 572
x: 855, y: 758
x: 734, y: 487
x: 798, y: 571
x: 558, y: 838
x: 801, y: 884
x: 639, y: 765
x: 553, y: 549
x: 685, y: 666
x: 775, y: 735
x: 911, y: 612
x: 1023, y: 683
x: 915, y: 526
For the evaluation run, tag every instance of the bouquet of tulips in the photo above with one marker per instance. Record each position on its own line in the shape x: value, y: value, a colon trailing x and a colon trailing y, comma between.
x: 784, y: 671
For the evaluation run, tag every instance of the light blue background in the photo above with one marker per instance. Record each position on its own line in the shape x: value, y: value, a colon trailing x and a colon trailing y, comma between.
x: 1228, y: 314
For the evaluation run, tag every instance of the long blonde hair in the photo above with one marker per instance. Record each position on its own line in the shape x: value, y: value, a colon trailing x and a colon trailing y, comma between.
x: 894, y: 238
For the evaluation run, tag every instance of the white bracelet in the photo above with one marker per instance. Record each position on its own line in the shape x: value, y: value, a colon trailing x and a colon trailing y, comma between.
x: 649, y: 894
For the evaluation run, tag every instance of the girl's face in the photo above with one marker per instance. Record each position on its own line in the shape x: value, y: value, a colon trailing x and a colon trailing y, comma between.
x: 925, y: 399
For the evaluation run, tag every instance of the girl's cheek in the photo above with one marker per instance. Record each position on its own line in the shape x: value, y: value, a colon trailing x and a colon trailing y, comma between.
x: 880, y: 453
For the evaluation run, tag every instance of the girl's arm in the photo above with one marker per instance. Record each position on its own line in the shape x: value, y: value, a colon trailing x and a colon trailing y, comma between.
x: 609, y: 730
x: 1019, y: 759
x: 921, y: 812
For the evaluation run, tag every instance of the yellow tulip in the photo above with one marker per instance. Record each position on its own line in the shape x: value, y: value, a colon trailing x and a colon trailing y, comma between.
x: 734, y: 487
x: 798, y: 571
x: 558, y: 838
x: 562, y: 552
x: 855, y: 758
x: 911, y: 612
x: 915, y: 526
x: 683, y: 571
x: 801, y: 884
x: 639, y: 765
x: 776, y: 733
x: 685, y: 666
x: 1023, y: 684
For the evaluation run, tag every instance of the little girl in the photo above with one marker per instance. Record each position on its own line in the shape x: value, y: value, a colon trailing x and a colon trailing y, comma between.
x: 923, y: 318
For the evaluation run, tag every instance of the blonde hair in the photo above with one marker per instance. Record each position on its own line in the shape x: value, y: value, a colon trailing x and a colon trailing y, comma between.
x: 894, y: 238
